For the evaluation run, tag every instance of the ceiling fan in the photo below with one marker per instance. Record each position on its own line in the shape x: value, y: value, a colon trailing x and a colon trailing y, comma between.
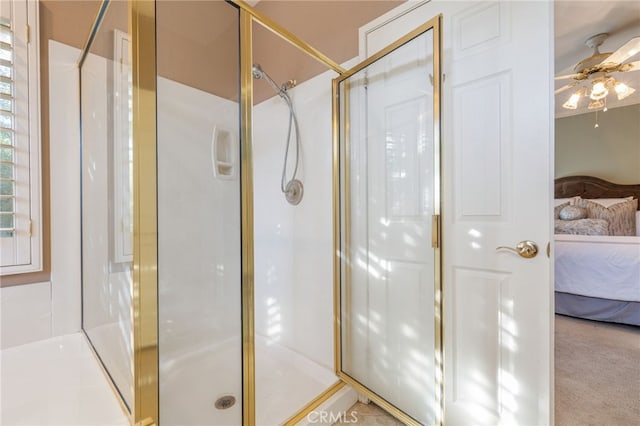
x: 592, y: 76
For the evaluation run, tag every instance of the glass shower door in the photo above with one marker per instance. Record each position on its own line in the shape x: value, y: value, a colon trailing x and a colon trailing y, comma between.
x: 199, y: 230
x: 389, y: 146
x: 107, y: 200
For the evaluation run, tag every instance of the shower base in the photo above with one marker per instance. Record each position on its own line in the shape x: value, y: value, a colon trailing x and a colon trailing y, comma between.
x: 286, y: 381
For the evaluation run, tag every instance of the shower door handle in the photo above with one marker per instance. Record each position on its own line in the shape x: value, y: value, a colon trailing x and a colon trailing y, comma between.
x: 435, y: 231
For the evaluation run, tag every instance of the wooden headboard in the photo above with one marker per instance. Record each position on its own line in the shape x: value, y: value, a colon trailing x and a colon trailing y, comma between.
x: 592, y: 187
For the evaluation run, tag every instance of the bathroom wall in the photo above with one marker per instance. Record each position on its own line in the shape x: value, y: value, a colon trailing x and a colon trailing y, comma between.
x: 51, y: 308
x: 610, y: 152
x: 198, y: 221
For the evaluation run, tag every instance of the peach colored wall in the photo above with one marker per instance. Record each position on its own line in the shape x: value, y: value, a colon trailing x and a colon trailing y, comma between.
x: 202, y: 34
x: 329, y: 26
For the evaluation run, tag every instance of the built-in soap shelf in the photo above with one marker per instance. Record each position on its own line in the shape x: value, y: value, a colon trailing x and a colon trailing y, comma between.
x: 224, y: 153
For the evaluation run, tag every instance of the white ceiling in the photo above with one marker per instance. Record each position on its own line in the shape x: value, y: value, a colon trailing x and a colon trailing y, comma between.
x: 575, y: 21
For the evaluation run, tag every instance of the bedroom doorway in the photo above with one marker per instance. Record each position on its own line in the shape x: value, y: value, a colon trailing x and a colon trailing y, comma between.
x: 596, y: 249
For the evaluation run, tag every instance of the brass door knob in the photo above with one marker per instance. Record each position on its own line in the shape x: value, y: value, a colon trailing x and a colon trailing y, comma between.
x: 526, y: 249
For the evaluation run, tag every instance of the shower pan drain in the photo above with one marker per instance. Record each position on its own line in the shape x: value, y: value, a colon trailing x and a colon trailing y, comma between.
x: 225, y: 402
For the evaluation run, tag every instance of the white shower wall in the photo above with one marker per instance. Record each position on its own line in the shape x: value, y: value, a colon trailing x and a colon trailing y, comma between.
x: 198, y: 222
x: 294, y: 244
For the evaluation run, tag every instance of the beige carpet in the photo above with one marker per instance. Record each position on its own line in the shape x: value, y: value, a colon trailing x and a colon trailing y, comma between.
x: 597, y: 370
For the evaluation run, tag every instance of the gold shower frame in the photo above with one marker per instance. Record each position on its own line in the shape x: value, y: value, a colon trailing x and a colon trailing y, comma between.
x: 142, y: 31
x: 144, y: 304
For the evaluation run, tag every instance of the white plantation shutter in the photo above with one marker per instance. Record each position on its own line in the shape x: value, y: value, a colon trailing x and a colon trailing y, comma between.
x: 7, y: 137
x: 20, y: 233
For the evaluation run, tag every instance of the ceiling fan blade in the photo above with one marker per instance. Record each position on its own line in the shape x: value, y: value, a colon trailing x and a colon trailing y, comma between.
x: 566, y: 86
x: 629, y: 49
x: 631, y: 66
x: 562, y: 77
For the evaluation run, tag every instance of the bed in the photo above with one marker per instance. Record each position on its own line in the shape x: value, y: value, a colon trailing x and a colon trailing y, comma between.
x: 597, y: 276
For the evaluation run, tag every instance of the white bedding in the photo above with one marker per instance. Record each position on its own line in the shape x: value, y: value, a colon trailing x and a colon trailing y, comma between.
x: 606, y: 267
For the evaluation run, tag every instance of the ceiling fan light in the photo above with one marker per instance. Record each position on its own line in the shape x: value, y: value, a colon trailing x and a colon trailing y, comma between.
x: 598, y: 91
x: 572, y: 102
x: 622, y: 90
x: 596, y: 104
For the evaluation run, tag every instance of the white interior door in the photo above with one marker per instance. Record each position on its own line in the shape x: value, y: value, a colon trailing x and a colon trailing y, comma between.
x: 497, y: 161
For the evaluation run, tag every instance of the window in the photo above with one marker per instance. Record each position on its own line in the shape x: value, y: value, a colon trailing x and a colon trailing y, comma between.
x: 20, y: 215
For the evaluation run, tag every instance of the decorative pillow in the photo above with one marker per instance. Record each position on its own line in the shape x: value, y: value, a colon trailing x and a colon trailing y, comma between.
x: 558, y: 209
x: 621, y: 216
x: 608, y: 202
x: 582, y: 227
x: 573, y: 213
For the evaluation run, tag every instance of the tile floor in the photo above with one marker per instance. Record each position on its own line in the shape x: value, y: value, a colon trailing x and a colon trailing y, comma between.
x: 56, y: 382
x: 368, y: 415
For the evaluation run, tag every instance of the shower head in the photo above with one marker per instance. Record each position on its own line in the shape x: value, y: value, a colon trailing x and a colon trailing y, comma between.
x: 257, y: 72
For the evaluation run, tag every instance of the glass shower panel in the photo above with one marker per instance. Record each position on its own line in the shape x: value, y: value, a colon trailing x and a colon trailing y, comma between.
x: 199, y: 235
x: 107, y: 199
x: 389, y: 194
x: 294, y: 357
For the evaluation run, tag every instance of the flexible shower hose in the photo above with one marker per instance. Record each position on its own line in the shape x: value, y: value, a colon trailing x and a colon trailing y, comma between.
x: 292, y: 120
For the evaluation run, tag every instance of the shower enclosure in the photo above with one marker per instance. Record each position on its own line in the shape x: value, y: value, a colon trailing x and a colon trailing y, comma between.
x: 211, y: 294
